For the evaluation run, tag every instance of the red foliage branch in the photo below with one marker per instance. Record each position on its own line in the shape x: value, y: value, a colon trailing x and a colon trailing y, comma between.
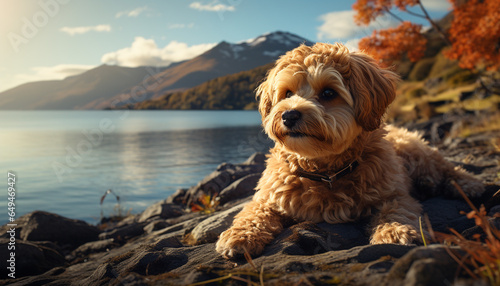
x: 475, y: 34
x: 391, y: 44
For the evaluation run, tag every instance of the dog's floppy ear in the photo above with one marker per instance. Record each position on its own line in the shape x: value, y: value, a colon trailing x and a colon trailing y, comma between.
x: 373, y: 89
x: 264, y: 95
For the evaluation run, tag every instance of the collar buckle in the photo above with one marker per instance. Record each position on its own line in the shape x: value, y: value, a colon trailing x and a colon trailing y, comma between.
x: 328, y: 179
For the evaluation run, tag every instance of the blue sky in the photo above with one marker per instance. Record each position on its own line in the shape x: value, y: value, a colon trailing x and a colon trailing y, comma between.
x: 52, y: 39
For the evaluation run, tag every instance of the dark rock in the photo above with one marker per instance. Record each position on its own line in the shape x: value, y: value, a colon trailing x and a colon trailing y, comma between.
x: 377, y: 251
x: 257, y: 158
x: 143, y: 261
x: 170, y: 242
x: 428, y: 271
x: 309, y: 239
x: 491, y: 198
x: 103, y: 275
x: 476, y: 229
x: 126, y: 221
x: 124, y: 232
x: 445, y: 213
x: 153, y: 263
x: 241, y: 188
x: 44, y: 226
x: 161, y: 210
x: 178, y: 230
x: 153, y: 248
x: 30, y: 258
x: 183, y: 218
x: 430, y: 265
x: 224, y: 175
x: 177, y: 197
x: 155, y: 225
x: 346, y: 235
x: 209, y: 229
x: 94, y: 247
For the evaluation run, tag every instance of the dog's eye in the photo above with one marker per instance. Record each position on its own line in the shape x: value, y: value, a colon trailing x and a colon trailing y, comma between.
x: 328, y: 94
x: 289, y: 93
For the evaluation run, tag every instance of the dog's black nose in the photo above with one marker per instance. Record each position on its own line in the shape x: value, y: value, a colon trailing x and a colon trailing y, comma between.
x: 290, y: 117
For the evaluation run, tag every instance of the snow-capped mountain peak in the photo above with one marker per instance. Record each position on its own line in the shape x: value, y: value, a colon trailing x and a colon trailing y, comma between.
x: 270, y: 45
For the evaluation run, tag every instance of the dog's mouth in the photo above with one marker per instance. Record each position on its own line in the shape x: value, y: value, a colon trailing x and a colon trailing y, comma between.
x: 297, y: 134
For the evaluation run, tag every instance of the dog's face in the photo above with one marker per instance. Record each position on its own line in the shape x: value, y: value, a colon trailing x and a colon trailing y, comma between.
x: 317, y: 100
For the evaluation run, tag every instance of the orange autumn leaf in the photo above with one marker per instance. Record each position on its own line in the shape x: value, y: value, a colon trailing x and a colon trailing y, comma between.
x: 369, y: 10
x: 391, y: 44
x: 205, y: 203
x: 475, y: 34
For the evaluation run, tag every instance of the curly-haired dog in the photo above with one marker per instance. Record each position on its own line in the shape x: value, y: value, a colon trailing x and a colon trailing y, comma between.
x: 333, y: 161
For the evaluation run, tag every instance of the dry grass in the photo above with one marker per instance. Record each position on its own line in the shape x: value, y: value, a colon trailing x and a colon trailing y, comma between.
x: 482, y: 256
x: 487, y: 124
x: 244, y: 276
x: 119, y: 213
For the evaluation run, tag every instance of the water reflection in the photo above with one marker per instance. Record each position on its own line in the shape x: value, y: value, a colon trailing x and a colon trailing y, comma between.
x: 141, y: 167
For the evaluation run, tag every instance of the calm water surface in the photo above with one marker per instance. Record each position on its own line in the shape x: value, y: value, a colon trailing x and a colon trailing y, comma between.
x: 64, y: 161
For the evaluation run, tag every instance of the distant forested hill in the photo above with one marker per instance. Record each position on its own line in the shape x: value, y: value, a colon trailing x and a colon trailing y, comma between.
x: 236, y: 91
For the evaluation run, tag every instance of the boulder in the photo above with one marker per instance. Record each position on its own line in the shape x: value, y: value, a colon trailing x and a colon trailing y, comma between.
x: 257, y: 158
x: 161, y: 210
x: 31, y: 258
x: 155, y: 225
x: 94, y: 247
x: 430, y: 265
x: 45, y: 226
x: 223, y: 176
x: 124, y: 232
x: 307, y: 238
x: 239, y: 189
x: 445, y: 213
x: 209, y: 229
x: 177, y: 197
x: 166, y: 244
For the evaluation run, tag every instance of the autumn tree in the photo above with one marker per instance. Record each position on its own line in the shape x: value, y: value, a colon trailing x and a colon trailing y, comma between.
x: 474, y: 36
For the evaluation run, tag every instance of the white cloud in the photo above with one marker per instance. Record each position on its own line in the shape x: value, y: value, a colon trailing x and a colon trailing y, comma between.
x: 437, y: 5
x: 352, y: 44
x: 132, y: 13
x: 340, y: 26
x: 145, y: 52
x: 51, y: 73
x: 213, y: 7
x: 82, y: 30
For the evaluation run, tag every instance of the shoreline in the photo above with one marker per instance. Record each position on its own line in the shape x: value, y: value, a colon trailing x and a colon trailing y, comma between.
x: 170, y: 244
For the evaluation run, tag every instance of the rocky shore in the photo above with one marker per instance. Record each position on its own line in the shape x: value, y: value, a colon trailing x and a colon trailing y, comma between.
x: 170, y: 244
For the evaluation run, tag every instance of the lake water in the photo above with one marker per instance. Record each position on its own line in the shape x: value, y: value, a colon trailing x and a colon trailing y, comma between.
x: 64, y: 161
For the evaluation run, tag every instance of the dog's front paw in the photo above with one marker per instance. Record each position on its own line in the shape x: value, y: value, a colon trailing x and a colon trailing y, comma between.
x: 233, y: 243
x: 394, y: 232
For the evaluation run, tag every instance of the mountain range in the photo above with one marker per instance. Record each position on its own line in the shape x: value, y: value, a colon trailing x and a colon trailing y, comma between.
x: 115, y: 87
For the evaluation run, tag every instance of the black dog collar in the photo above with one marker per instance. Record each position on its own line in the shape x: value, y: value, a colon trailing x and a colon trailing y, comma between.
x: 318, y: 177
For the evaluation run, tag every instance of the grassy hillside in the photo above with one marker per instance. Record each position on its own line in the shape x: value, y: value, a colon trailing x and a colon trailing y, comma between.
x: 82, y: 91
x: 437, y: 85
x: 236, y: 91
